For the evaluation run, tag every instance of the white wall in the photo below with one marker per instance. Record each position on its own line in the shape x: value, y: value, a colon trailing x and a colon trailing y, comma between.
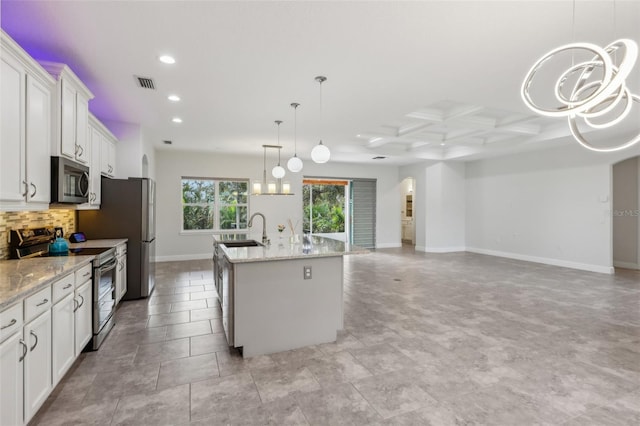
x: 445, y: 207
x: 626, y: 193
x: 132, y: 146
x: 172, y: 165
x: 439, y: 205
x: 551, y: 206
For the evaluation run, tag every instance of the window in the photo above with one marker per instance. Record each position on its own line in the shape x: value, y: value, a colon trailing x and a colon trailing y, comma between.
x: 214, y: 204
x: 324, y: 205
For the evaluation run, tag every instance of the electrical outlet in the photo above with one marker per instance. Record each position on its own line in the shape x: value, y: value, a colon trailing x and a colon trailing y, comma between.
x: 307, y: 272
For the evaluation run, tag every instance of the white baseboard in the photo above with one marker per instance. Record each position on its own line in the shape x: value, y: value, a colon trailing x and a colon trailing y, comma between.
x: 625, y: 265
x: 545, y: 260
x: 197, y: 256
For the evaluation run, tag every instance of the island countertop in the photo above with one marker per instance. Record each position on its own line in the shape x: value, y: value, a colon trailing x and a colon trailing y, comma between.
x: 282, y: 248
x: 21, y: 278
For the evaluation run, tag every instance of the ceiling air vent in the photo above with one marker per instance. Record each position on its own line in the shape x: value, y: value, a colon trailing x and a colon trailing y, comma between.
x: 167, y: 142
x: 145, y: 82
x: 379, y: 157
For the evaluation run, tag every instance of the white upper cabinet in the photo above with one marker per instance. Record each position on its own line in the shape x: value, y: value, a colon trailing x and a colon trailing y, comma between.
x: 25, y: 133
x: 102, y: 154
x: 108, y: 154
x: 70, y: 114
x: 38, y: 140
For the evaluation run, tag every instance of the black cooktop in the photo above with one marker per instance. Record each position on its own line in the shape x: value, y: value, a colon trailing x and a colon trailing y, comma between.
x: 79, y: 252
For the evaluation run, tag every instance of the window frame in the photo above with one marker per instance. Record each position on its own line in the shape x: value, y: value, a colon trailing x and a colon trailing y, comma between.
x: 215, y: 205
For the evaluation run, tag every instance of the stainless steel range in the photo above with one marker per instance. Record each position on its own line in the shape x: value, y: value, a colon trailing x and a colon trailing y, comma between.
x: 34, y: 242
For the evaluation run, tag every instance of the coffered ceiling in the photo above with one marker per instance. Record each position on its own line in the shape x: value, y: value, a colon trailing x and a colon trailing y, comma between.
x: 407, y: 81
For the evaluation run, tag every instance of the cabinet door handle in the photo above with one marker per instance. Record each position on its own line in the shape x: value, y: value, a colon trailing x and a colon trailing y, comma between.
x: 77, y: 149
x: 26, y: 188
x: 44, y: 302
x: 76, y: 304
x: 24, y: 350
x: 12, y: 322
x: 35, y: 189
x: 36, y: 343
x: 81, y: 151
x: 86, y: 274
x: 67, y: 286
x: 81, y: 301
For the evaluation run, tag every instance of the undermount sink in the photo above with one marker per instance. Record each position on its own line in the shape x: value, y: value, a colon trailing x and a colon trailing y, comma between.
x: 242, y: 243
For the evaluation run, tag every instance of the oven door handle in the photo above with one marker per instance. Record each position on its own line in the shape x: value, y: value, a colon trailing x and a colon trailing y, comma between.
x: 109, y: 266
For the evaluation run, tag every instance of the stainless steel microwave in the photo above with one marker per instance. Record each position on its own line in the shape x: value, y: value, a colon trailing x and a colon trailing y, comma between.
x: 69, y: 181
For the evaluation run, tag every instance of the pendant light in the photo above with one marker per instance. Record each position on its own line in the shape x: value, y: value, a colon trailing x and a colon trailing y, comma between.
x: 599, y: 88
x: 320, y: 153
x: 295, y: 164
x: 278, y: 171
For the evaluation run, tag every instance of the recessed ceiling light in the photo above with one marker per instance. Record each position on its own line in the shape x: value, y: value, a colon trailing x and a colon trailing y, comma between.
x: 176, y: 120
x: 166, y: 59
x: 173, y: 98
x: 442, y: 144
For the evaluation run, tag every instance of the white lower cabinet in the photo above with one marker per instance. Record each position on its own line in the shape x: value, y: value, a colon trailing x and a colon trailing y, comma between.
x: 37, y: 364
x: 12, y: 353
x: 82, y: 317
x: 63, y: 350
x: 35, y: 353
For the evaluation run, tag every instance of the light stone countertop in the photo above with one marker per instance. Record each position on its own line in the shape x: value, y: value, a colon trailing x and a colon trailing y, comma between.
x: 22, y: 278
x: 281, y: 248
x: 105, y: 243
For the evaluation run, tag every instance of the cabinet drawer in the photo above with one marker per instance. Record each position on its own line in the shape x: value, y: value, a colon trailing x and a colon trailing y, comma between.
x: 63, y: 287
x: 35, y: 304
x: 121, y: 249
x: 83, y: 274
x: 10, y: 321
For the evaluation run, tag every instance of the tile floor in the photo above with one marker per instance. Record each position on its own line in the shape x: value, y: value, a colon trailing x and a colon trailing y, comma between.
x: 436, y: 339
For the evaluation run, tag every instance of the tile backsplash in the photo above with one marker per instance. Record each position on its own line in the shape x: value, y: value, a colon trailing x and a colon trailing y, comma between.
x: 16, y: 220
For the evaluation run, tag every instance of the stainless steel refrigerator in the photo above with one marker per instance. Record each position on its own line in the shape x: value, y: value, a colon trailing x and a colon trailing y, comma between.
x: 127, y: 210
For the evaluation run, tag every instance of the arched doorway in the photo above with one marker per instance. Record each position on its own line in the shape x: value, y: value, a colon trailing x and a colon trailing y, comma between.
x: 407, y: 211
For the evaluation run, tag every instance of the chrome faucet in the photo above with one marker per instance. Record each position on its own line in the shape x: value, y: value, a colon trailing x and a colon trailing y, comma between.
x: 265, y: 240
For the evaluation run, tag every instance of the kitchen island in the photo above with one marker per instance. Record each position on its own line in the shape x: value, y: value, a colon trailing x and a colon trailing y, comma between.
x: 282, y: 295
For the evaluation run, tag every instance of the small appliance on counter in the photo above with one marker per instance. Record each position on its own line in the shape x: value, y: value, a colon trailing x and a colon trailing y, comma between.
x: 78, y: 237
x: 59, y: 246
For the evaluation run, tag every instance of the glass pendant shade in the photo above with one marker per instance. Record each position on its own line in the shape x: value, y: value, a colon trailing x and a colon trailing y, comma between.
x: 320, y: 153
x: 278, y: 172
x: 294, y: 164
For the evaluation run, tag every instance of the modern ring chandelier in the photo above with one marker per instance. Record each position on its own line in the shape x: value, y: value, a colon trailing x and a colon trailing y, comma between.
x: 593, y: 92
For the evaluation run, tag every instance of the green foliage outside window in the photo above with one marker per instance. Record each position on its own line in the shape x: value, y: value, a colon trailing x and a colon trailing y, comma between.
x: 211, y: 204
x: 326, y: 215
